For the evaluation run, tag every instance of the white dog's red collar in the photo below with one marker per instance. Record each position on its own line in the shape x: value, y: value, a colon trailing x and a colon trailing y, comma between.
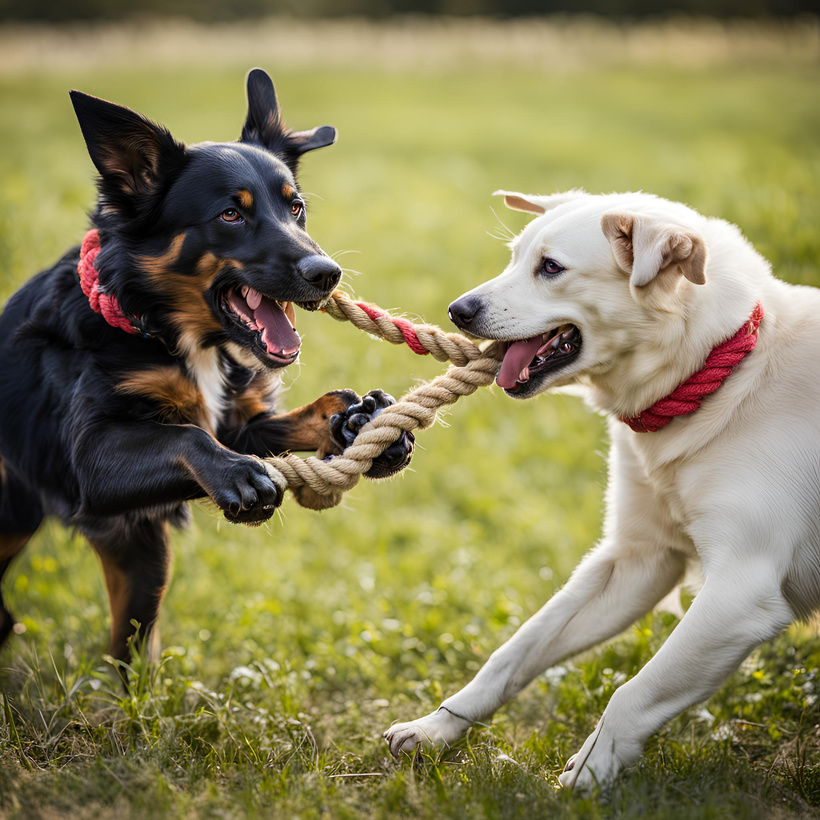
x: 687, y: 397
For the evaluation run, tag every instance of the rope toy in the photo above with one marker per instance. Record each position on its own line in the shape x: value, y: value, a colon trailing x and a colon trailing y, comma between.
x: 320, y: 485
x: 718, y: 367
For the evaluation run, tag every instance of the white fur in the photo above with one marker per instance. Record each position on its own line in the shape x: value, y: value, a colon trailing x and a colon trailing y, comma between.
x: 733, y: 489
x: 205, y: 365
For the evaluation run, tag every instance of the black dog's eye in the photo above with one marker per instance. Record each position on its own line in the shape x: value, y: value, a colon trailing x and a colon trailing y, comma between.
x: 231, y: 215
x: 552, y: 268
x: 297, y: 207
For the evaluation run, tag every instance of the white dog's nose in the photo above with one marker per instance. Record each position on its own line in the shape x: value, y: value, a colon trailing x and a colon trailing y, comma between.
x: 464, y: 310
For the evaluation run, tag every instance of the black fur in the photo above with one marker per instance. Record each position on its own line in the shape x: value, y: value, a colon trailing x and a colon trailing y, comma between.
x: 113, y: 432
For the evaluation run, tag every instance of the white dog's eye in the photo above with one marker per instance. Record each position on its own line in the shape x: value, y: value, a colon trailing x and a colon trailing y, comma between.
x: 552, y: 268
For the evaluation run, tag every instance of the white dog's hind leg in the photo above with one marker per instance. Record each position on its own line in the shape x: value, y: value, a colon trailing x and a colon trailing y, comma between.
x: 728, y: 618
x: 612, y: 588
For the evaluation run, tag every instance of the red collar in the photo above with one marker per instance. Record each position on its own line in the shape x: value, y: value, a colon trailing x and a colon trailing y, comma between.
x: 687, y: 397
x: 102, y: 303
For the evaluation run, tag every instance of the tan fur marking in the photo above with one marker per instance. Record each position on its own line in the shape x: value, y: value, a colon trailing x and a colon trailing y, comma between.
x: 256, y: 398
x: 251, y: 403
x: 179, y: 399
x: 190, y: 312
x: 119, y: 590
x: 157, y: 267
x: 10, y: 545
x: 287, y: 191
x: 309, y: 428
x: 192, y: 315
x: 245, y: 198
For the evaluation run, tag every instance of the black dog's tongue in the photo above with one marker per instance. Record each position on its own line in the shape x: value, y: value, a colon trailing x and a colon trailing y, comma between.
x: 278, y: 334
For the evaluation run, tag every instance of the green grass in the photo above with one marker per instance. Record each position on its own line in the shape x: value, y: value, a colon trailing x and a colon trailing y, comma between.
x: 290, y: 648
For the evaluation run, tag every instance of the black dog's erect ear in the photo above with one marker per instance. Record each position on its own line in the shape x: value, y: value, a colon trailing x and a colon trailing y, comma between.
x: 136, y: 158
x: 264, y: 125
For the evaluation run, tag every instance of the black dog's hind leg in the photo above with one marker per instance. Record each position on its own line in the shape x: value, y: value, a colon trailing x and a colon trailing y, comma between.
x: 20, y: 516
x: 9, y: 547
x: 136, y: 562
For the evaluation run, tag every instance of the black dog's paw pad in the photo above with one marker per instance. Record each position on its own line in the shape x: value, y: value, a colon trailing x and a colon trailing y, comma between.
x: 250, y: 494
x: 394, y: 459
x: 346, y: 426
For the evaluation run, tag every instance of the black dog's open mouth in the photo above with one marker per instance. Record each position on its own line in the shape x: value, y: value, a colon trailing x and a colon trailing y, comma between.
x: 539, y: 355
x: 269, y: 323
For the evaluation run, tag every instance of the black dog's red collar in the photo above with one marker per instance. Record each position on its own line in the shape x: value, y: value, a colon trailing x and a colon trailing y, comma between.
x: 103, y: 303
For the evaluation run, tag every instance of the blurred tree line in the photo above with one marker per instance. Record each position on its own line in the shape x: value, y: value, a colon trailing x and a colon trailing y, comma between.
x: 221, y: 10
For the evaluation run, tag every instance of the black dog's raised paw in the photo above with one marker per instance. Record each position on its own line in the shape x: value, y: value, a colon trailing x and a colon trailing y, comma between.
x: 247, y: 493
x: 346, y: 426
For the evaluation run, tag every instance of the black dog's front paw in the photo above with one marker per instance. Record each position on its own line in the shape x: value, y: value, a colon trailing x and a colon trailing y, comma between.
x: 248, y: 493
x: 346, y: 426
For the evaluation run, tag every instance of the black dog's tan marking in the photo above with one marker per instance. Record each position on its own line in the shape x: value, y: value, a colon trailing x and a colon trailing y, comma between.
x: 111, y: 432
x: 175, y: 396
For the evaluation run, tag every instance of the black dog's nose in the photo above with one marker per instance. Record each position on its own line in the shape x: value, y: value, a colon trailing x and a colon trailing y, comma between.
x: 464, y: 310
x: 320, y: 271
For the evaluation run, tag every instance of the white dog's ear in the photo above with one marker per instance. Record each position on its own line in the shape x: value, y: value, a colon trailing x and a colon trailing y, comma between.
x: 535, y: 203
x: 645, y: 246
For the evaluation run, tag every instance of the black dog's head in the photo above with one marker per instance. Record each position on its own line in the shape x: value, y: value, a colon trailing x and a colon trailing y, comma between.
x: 207, y: 244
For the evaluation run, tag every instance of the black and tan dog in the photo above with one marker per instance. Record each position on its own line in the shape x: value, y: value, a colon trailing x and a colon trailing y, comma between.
x: 112, y: 420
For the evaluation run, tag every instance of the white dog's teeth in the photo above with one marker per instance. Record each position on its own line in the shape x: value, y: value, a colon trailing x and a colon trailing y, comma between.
x: 524, y: 375
x: 244, y: 291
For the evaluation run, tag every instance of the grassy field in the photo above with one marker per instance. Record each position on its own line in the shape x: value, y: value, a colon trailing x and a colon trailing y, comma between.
x: 290, y: 648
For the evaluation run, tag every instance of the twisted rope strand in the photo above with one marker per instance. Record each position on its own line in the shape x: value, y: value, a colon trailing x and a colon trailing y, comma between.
x: 320, y: 484
x: 420, y: 338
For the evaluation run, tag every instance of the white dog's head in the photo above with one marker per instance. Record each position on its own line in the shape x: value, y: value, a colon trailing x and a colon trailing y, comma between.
x: 591, y: 281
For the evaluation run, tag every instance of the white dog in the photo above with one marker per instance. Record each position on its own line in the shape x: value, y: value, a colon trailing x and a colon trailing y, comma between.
x: 626, y: 296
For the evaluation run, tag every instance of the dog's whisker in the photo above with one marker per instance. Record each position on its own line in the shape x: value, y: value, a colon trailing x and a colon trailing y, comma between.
x: 337, y: 254
x: 507, y: 231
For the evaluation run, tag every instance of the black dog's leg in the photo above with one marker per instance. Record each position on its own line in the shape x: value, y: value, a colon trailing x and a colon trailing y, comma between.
x: 6, y: 618
x: 326, y: 426
x: 121, y: 467
x: 304, y: 429
x: 20, y: 515
x: 136, y: 562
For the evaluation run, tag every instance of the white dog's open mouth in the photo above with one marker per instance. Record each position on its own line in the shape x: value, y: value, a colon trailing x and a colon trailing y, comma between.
x: 542, y: 354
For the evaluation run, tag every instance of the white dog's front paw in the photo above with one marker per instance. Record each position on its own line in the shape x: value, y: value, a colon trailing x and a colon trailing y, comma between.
x: 440, y: 729
x: 602, y: 756
x: 577, y: 776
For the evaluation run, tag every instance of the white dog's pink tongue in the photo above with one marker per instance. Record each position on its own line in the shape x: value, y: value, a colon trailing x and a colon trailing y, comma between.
x: 516, y: 362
